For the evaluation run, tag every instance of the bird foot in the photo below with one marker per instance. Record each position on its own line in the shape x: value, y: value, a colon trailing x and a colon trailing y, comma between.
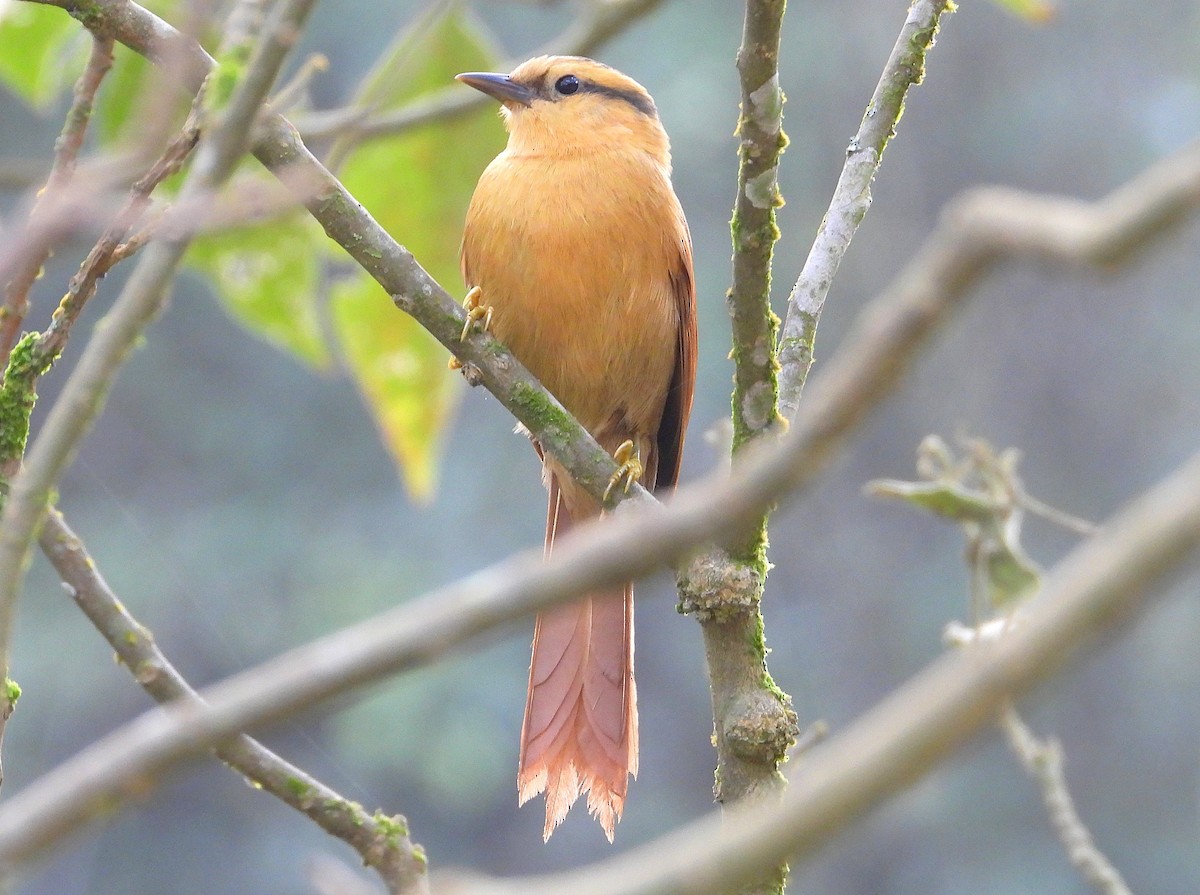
x: 476, y: 311
x: 630, y: 471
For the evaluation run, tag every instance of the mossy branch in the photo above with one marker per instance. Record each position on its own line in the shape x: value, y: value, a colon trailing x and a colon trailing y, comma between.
x: 753, y: 721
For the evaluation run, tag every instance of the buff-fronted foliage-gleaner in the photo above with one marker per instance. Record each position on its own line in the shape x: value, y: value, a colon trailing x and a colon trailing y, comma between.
x: 577, y: 256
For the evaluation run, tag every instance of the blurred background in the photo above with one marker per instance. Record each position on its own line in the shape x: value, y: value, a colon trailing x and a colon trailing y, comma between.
x: 240, y: 504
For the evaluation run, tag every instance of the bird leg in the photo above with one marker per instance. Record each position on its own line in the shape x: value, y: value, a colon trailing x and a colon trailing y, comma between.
x: 476, y: 311
x: 630, y: 471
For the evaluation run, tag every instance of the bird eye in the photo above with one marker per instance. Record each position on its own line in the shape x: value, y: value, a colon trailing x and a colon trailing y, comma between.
x: 567, y: 84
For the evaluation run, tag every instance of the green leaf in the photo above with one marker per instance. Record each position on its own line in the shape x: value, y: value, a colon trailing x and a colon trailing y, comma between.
x: 417, y: 185
x: 43, y: 52
x: 266, y: 276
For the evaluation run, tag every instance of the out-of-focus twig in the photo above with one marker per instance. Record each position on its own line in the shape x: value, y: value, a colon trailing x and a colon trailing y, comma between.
x: 66, y: 154
x: 1043, y: 762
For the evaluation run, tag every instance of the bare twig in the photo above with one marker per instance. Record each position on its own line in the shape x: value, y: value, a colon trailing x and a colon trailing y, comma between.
x: 66, y: 154
x: 382, y: 842
x: 852, y: 197
x: 1043, y: 762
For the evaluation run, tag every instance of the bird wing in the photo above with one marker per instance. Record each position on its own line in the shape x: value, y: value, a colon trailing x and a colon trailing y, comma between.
x: 678, y: 406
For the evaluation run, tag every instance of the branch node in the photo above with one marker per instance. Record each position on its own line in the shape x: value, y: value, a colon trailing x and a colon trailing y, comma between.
x: 760, y: 728
x: 714, y: 587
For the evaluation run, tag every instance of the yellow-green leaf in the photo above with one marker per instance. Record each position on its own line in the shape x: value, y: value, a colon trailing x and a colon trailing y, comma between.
x: 1039, y: 11
x: 43, y: 51
x: 417, y: 185
x: 266, y: 277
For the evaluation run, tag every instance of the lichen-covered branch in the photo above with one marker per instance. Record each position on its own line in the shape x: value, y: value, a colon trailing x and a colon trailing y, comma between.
x: 381, y: 841
x: 852, y: 197
x: 761, y: 140
x: 66, y: 154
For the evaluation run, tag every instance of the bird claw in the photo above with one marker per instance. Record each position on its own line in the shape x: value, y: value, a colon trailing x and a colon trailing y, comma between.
x: 476, y: 311
x: 630, y: 471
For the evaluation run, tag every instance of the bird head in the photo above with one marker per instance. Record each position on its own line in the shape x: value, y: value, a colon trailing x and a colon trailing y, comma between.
x: 564, y: 105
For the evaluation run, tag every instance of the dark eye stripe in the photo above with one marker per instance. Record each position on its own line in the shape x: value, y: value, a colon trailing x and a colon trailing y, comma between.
x: 639, y: 101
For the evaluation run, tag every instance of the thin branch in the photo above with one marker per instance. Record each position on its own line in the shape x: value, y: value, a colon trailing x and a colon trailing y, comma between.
x: 37, y: 352
x: 382, y: 842
x: 975, y: 233
x: 852, y: 197
x: 66, y: 154
x: 1043, y: 762
x: 601, y: 21
x: 84, y: 392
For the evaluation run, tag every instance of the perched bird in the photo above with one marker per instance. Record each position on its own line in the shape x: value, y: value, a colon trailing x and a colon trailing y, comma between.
x: 578, y: 257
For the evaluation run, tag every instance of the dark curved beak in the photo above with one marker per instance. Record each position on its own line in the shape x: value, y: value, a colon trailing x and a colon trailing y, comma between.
x: 500, y: 87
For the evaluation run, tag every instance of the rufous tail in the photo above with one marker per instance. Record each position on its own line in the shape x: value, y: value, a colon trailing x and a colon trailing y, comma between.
x: 580, y: 730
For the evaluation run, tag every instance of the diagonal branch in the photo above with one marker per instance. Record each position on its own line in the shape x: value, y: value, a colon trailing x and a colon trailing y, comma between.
x: 382, y: 842
x: 1043, y: 762
x: 978, y: 230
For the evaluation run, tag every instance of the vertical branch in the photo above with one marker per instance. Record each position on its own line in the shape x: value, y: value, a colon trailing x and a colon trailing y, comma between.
x: 66, y: 153
x: 852, y: 196
x: 753, y: 722
x: 760, y: 130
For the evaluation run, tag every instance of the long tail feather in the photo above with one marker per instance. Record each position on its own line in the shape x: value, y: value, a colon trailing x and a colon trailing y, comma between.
x: 580, y: 730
